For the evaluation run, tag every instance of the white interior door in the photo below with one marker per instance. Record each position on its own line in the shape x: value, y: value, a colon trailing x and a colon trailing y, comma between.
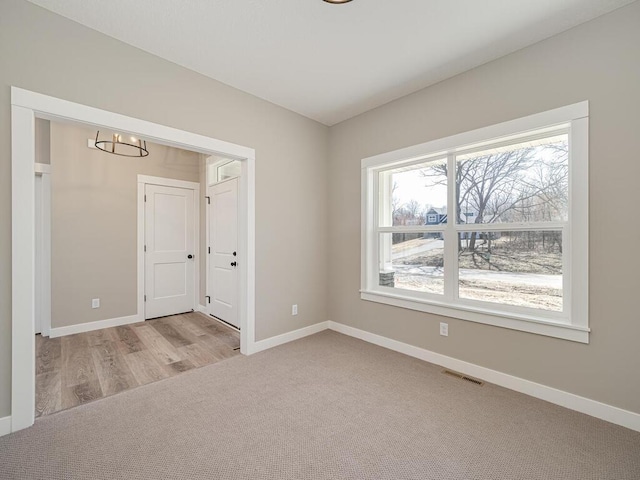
x: 169, y: 250
x: 223, y: 242
x: 38, y: 255
x: 42, y: 266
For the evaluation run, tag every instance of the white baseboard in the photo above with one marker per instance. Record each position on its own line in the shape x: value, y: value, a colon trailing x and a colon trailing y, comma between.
x: 288, y: 337
x: 568, y: 400
x: 202, y: 309
x: 5, y: 426
x: 87, y: 327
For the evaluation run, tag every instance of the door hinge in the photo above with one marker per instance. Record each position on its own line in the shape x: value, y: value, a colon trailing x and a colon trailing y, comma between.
x: 145, y: 248
x: 208, y: 299
x: 209, y: 250
x: 208, y: 199
x: 145, y: 197
x: 145, y: 298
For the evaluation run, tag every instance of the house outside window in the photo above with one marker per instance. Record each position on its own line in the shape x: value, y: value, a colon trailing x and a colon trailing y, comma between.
x: 488, y: 226
x: 432, y: 219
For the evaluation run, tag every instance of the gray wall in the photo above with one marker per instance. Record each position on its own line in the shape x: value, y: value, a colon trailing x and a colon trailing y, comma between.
x: 46, y: 53
x: 43, y: 141
x: 94, y: 210
x: 598, y: 61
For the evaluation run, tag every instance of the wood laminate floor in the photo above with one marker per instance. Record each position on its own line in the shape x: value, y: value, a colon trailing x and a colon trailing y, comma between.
x: 77, y: 369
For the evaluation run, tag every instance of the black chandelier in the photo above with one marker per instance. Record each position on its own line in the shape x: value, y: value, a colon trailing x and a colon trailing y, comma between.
x: 118, y: 146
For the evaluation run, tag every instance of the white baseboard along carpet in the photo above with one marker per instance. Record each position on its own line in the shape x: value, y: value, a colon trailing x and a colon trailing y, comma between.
x: 324, y: 407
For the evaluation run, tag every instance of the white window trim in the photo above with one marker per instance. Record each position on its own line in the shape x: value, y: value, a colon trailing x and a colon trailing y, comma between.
x: 575, y: 237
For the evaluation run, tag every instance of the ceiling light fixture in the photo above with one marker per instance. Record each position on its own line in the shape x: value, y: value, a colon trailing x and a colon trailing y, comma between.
x: 117, y: 146
x: 337, y: 2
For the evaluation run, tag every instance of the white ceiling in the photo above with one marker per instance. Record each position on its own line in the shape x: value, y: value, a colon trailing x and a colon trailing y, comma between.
x: 330, y: 62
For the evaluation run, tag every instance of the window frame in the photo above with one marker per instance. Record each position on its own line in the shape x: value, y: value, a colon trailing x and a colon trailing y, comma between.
x: 570, y: 324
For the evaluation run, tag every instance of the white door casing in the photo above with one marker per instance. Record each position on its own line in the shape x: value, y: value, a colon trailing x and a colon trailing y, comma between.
x: 169, y: 242
x: 223, y: 242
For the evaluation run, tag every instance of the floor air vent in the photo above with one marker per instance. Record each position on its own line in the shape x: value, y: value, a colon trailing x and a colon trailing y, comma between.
x: 463, y: 377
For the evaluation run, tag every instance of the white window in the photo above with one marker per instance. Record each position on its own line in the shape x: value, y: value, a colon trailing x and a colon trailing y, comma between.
x: 220, y: 169
x: 229, y: 170
x: 510, y: 246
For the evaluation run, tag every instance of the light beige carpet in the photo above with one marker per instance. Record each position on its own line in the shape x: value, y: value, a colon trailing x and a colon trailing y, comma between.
x: 324, y: 407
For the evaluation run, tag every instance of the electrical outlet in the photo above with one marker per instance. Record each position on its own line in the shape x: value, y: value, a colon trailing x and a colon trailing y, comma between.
x: 444, y: 329
x: 294, y: 309
x: 95, y: 303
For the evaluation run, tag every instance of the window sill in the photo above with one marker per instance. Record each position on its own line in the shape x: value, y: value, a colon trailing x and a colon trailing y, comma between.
x: 544, y: 327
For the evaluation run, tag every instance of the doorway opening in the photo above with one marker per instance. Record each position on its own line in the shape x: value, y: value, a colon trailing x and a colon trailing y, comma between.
x: 26, y: 107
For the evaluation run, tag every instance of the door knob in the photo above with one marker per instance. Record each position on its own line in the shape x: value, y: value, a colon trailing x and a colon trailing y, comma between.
x: 234, y: 254
x: 189, y: 256
x: 233, y: 264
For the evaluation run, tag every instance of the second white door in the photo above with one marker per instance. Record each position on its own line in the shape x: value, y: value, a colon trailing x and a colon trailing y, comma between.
x: 223, y: 242
x: 169, y: 250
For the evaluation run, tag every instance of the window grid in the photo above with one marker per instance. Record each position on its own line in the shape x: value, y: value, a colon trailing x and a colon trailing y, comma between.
x: 535, y: 317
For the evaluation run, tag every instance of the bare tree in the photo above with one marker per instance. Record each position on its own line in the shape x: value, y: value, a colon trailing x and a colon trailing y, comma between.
x: 523, y: 184
x: 395, y: 201
x: 412, y: 208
